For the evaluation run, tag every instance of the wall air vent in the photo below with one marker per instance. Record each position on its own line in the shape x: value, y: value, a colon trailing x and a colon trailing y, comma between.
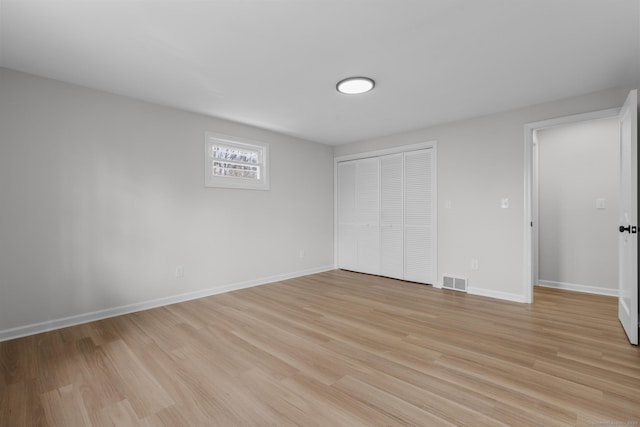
x: 454, y: 283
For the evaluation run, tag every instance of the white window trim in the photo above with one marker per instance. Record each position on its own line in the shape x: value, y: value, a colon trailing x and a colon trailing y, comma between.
x: 212, y: 138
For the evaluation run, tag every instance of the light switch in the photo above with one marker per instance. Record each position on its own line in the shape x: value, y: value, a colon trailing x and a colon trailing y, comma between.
x: 504, y: 203
x: 601, y: 203
x: 447, y: 204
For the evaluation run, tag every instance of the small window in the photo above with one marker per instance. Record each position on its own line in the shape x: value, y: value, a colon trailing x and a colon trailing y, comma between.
x: 232, y: 162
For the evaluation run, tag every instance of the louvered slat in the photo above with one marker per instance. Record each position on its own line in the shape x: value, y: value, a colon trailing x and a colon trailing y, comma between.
x: 391, y: 197
x: 368, y: 191
x: 392, y: 251
x: 418, y: 231
x: 418, y: 188
x: 391, y: 216
x: 346, y: 192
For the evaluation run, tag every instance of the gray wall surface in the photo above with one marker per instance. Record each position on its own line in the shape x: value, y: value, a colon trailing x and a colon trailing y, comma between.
x: 103, y: 196
x: 481, y: 161
x: 578, y: 163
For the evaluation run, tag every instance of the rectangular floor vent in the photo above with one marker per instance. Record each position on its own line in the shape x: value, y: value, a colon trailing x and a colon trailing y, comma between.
x: 454, y: 283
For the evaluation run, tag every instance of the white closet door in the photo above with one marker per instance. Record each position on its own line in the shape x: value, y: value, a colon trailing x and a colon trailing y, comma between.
x: 368, y: 215
x: 391, y: 216
x: 347, y: 231
x: 418, y: 221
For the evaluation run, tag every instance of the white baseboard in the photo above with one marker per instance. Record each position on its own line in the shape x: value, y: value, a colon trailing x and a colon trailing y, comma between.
x: 507, y: 296
x: 36, y: 328
x: 578, y: 288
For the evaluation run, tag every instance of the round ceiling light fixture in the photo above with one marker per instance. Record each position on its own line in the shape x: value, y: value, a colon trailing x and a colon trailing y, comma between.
x: 355, y: 85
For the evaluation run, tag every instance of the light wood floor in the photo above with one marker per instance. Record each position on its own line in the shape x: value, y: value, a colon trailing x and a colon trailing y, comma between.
x: 332, y: 349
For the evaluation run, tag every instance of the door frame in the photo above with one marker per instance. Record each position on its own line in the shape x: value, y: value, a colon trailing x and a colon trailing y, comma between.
x: 433, y: 144
x: 531, y: 221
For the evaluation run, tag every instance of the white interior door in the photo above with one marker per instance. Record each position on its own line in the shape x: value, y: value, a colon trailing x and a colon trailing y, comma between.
x: 628, y: 215
x: 391, y: 216
x: 419, y: 224
x: 347, y: 232
x: 368, y: 215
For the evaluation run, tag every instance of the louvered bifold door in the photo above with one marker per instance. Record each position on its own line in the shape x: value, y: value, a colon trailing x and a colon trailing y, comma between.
x: 419, y: 243
x: 391, y: 216
x: 347, y: 230
x: 368, y: 215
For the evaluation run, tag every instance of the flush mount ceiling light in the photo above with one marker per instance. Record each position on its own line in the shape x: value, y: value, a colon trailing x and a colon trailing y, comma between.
x: 355, y: 85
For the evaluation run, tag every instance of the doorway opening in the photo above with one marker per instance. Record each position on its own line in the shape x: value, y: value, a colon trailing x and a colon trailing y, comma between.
x: 563, y: 211
x: 627, y: 254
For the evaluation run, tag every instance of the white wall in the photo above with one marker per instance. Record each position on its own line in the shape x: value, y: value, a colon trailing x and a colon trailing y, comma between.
x: 480, y: 161
x: 578, y: 163
x: 103, y: 196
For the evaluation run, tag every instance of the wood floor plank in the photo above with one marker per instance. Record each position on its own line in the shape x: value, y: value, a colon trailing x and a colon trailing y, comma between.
x: 55, y: 361
x: 64, y: 407
x: 336, y: 348
x: 444, y: 409
x: 404, y: 412
x: 138, y: 384
x: 18, y: 362
x: 334, y: 406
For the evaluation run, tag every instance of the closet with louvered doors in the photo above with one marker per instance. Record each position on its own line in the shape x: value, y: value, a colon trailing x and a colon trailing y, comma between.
x: 385, y: 214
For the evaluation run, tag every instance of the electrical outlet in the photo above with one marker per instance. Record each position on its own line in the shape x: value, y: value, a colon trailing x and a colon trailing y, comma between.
x: 179, y: 271
x: 474, y: 264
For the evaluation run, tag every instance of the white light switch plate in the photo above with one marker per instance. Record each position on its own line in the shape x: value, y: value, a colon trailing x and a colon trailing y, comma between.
x: 601, y: 203
x: 504, y: 203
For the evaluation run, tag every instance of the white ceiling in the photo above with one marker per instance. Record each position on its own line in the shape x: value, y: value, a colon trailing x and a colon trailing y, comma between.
x: 275, y: 63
